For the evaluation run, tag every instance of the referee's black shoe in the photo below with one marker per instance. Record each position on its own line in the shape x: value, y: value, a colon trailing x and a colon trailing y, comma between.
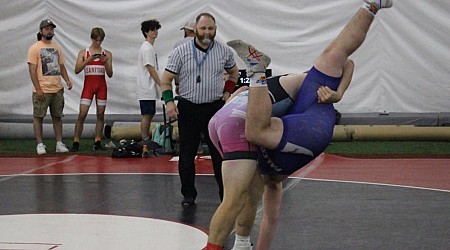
x: 188, y: 202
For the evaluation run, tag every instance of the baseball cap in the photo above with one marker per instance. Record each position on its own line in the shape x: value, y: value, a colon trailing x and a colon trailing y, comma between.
x: 190, y: 25
x: 45, y: 23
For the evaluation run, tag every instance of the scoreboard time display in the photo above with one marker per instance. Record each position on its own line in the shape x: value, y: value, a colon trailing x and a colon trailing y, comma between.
x: 244, y: 80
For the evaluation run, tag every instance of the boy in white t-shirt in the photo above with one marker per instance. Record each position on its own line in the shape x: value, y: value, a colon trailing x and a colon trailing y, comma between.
x: 148, y: 81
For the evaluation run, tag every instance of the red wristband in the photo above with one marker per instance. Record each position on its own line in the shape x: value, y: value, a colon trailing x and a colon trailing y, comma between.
x: 229, y: 86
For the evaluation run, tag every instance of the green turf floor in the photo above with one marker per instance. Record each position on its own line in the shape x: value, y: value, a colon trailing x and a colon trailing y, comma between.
x: 356, y: 148
x: 391, y: 148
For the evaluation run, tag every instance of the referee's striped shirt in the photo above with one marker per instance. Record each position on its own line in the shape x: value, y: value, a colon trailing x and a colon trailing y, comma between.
x: 210, y: 88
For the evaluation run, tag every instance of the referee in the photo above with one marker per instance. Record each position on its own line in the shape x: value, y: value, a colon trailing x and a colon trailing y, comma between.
x: 200, y: 66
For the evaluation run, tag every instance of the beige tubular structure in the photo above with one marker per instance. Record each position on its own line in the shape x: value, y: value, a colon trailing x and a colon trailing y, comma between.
x: 390, y: 133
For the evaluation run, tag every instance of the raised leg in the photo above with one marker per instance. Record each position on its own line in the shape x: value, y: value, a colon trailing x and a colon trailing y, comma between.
x: 333, y: 58
x: 260, y: 128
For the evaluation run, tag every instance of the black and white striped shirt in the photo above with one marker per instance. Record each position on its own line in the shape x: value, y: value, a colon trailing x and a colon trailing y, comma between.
x: 210, y: 88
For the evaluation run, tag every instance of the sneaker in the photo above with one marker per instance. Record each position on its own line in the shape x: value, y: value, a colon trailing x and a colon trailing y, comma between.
x: 61, y: 148
x: 110, y: 145
x: 188, y: 202
x: 75, y: 147
x: 40, y: 149
x: 255, y: 60
x: 98, y: 145
x: 380, y: 4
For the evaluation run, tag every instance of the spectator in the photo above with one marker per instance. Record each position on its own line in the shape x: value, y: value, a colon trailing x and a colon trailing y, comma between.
x: 189, y: 34
x: 46, y: 66
x: 148, y: 81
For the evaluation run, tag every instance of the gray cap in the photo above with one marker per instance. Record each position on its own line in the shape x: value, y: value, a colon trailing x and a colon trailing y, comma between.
x: 190, y: 25
x: 45, y: 23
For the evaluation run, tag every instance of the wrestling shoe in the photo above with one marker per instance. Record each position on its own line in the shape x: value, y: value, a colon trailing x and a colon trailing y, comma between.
x: 75, y: 147
x: 40, y: 149
x: 97, y: 146
x: 380, y: 4
x: 61, y: 147
x: 255, y: 60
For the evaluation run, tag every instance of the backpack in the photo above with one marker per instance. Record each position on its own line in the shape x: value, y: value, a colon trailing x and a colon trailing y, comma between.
x: 131, y: 150
x: 162, y: 136
x: 134, y: 150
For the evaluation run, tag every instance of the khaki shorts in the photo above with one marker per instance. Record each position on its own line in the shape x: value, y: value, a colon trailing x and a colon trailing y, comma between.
x: 53, y: 100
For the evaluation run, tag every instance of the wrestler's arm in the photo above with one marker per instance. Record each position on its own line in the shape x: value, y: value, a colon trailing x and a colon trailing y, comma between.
x: 107, y: 60
x: 327, y: 95
x: 232, y: 75
x: 81, y: 61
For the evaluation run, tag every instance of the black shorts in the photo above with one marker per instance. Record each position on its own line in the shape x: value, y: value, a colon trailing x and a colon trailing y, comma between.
x: 148, y: 107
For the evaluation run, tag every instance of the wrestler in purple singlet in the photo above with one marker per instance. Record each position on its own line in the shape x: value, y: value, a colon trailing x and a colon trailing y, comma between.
x: 308, y: 126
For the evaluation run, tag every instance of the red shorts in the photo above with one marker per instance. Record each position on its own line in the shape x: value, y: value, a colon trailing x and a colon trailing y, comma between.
x: 99, y: 89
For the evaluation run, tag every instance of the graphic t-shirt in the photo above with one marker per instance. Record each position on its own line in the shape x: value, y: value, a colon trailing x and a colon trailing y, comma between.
x: 47, y: 58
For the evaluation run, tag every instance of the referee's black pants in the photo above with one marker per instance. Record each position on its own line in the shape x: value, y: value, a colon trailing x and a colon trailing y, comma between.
x: 193, y: 120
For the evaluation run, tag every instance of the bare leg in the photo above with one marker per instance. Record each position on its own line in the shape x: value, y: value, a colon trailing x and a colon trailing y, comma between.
x: 236, y: 185
x: 331, y: 61
x: 145, y: 126
x: 37, y: 126
x: 259, y: 125
x: 246, y: 219
x: 80, y: 121
x: 260, y: 128
x: 292, y: 83
x: 100, y: 122
x: 57, y: 127
x: 272, y: 203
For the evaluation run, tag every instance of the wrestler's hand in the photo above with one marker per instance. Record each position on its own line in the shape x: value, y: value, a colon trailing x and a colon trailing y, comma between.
x: 91, y: 59
x: 104, y: 58
x: 327, y: 95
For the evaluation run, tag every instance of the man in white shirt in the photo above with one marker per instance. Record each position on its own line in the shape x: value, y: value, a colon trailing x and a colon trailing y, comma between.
x: 148, y: 81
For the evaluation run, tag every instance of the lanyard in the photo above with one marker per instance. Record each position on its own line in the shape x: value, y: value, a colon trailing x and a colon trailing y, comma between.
x: 195, y: 53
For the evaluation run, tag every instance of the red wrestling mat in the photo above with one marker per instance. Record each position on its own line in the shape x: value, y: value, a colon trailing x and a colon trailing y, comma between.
x: 76, y: 164
x: 426, y: 173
